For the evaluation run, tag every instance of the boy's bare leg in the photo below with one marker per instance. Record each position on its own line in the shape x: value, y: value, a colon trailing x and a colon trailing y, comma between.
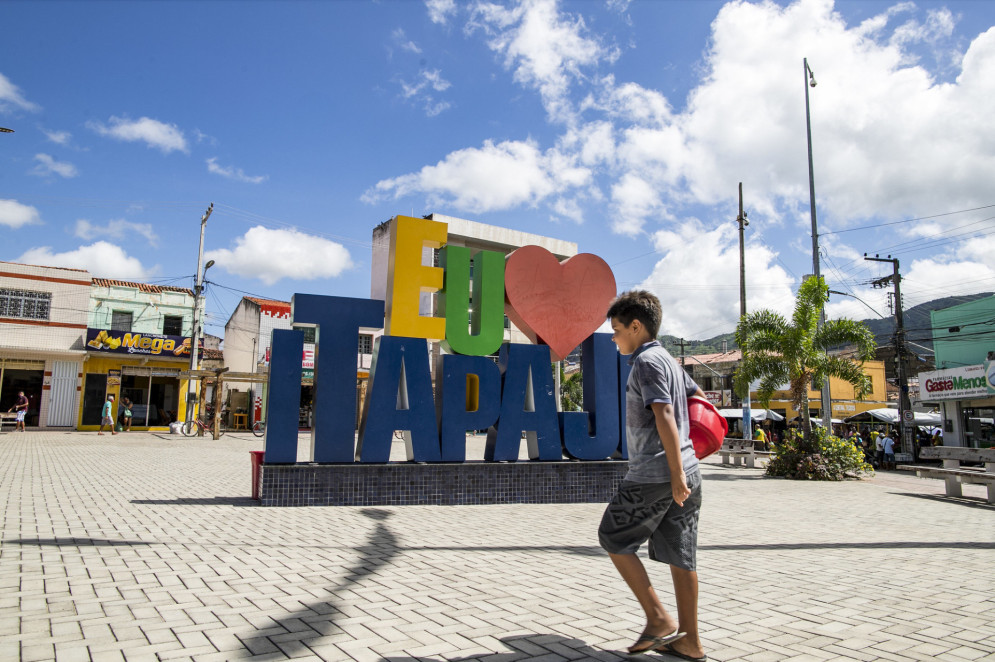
x: 658, y: 621
x: 686, y: 593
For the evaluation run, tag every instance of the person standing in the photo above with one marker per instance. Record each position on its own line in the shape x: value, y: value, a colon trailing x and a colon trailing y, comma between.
x: 21, y: 407
x: 660, y: 498
x: 126, y: 413
x: 888, y: 446
x: 105, y: 416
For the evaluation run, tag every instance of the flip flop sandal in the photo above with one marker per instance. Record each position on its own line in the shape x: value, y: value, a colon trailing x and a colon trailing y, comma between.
x: 667, y: 649
x: 655, y: 643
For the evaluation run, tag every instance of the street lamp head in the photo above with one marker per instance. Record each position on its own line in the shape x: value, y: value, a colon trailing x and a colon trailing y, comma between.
x: 811, y: 81
x: 6, y: 130
x: 210, y: 263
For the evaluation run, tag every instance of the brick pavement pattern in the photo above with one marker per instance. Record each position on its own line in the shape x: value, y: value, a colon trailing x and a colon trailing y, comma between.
x: 147, y: 547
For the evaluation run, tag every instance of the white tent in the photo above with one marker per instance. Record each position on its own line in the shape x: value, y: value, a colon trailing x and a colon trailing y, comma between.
x: 755, y: 414
x: 890, y: 416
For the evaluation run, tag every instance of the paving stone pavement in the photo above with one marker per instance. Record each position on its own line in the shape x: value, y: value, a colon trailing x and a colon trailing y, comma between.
x: 146, y: 547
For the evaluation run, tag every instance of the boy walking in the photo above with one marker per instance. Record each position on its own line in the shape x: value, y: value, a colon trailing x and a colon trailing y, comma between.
x: 660, y: 497
x: 21, y: 407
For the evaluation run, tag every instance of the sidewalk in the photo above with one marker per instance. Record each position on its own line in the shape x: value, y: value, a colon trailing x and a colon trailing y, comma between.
x: 146, y: 547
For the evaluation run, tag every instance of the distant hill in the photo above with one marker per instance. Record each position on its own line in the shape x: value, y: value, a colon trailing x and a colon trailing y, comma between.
x: 916, y: 319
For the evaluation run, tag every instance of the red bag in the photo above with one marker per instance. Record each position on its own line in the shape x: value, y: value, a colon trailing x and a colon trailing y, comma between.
x: 707, y: 428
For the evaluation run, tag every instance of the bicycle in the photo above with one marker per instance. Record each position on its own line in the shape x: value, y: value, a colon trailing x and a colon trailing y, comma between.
x: 190, y: 427
x: 259, y: 428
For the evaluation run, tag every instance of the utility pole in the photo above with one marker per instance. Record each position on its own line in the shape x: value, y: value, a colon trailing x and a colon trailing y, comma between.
x: 195, y: 340
x: 682, y: 352
x: 741, y: 219
x: 827, y: 407
x: 905, y: 413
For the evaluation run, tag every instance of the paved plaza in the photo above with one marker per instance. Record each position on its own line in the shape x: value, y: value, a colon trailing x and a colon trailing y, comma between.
x: 147, y: 547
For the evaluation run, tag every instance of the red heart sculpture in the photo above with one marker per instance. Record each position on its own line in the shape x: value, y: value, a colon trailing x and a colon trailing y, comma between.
x: 557, y: 303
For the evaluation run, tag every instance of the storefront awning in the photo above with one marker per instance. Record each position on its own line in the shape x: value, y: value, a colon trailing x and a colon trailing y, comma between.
x: 755, y: 414
x: 890, y: 416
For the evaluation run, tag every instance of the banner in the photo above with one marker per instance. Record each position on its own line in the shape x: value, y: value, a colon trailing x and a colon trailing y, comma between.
x: 142, y: 344
x: 966, y: 383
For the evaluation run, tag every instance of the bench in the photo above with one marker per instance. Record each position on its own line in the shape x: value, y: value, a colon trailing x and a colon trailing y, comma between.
x: 741, y: 450
x: 7, y: 416
x: 953, y: 473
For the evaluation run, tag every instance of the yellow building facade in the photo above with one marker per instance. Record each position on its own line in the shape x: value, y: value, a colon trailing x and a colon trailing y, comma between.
x: 844, y: 401
x: 157, y: 392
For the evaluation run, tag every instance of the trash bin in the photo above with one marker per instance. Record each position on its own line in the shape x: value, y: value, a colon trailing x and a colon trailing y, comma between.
x: 257, y: 465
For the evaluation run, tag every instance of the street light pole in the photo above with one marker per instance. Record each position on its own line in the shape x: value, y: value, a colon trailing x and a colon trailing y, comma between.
x: 195, y: 340
x: 741, y: 220
x: 827, y: 411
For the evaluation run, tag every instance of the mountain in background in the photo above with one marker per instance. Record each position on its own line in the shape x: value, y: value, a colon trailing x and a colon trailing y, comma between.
x: 918, y: 329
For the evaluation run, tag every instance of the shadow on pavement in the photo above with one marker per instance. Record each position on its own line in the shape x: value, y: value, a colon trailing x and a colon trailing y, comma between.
x: 533, y: 646
x: 77, y: 542
x: 194, y: 501
x: 970, y: 502
x: 970, y: 544
x: 710, y: 476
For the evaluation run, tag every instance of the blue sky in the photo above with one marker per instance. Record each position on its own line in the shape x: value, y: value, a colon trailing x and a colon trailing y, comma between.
x: 622, y: 126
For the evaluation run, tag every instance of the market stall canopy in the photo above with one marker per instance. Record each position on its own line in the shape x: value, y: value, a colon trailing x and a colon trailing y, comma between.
x: 755, y: 414
x: 816, y: 421
x: 888, y: 415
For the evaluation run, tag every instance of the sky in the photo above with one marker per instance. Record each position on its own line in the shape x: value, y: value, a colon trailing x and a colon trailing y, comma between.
x: 625, y: 126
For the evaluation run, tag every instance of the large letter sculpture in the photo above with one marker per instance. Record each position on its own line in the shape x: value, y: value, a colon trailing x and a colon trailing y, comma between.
x: 283, y: 399
x: 400, y: 398
x: 338, y: 320
x: 600, y: 403
x: 527, y: 405
x: 467, y: 403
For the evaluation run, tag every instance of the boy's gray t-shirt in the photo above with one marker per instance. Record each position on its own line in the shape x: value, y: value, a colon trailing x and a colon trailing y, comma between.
x: 655, y: 377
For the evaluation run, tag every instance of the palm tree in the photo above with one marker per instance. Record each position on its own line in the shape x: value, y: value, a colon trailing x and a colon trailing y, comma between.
x: 778, y: 352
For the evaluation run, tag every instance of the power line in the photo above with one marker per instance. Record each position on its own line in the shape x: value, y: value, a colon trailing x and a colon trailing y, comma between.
x: 908, y: 220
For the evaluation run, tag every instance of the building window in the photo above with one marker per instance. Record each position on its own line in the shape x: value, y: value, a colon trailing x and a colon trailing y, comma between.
x: 365, y: 343
x: 121, y: 320
x: 172, y: 325
x: 309, y: 333
x: 25, y: 304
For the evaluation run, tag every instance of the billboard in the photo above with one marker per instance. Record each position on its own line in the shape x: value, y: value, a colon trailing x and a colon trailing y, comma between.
x: 964, y: 383
x: 141, y: 344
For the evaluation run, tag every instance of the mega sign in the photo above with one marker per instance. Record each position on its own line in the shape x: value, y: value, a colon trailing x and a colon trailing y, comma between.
x: 147, y: 344
x: 557, y: 305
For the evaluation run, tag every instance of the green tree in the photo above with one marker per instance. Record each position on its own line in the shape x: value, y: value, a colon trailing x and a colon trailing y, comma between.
x: 571, y: 391
x: 776, y: 352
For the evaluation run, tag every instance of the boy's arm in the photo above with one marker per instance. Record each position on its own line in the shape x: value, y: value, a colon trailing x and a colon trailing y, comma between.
x: 666, y: 427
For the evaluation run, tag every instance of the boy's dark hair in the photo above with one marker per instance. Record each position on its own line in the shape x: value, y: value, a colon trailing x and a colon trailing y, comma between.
x: 638, y: 305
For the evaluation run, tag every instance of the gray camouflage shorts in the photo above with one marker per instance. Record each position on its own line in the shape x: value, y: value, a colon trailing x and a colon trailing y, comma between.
x: 641, y: 512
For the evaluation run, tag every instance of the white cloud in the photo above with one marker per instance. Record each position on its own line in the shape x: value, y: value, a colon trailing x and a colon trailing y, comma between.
x: 14, y: 215
x: 102, y: 259
x: 49, y: 166
x: 234, y: 174
x: 271, y: 255
x: 12, y: 99
x: 117, y: 228
x: 164, y: 137
x: 58, y: 137
x: 489, y: 178
x: 697, y: 280
x: 546, y: 49
x: 405, y: 43
x: 440, y: 10
x: 419, y: 90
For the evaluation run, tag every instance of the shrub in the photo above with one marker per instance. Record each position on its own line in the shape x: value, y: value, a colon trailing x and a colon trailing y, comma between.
x: 837, y: 458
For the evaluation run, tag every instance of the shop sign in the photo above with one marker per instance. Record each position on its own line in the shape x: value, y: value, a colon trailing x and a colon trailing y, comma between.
x: 844, y: 407
x: 113, y: 378
x: 973, y: 381
x: 307, y: 357
x: 719, y: 398
x: 143, y: 344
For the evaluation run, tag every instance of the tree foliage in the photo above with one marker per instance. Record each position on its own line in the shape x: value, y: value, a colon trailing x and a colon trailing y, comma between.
x: 778, y: 351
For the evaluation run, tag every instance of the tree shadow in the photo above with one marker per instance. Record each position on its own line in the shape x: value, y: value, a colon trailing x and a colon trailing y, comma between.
x: 527, y: 647
x: 970, y: 544
x: 77, y: 542
x: 241, y: 502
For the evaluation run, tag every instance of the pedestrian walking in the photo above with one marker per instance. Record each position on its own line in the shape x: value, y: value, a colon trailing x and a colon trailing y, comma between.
x: 126, y: 413
x: 105, y: 416
x: 21, y: 407
x: 888, y: 446
x: 660, y: 498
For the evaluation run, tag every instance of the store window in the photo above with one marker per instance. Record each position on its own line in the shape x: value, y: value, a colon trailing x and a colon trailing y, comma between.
x: 172, y: 325
x: 154, y: 393
x: 26, y: 376
x: 25, y: 304
x: 365, y: 343
x: 121, y: 320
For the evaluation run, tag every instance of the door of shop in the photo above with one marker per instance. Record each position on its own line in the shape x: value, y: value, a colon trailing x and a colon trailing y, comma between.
x: 94, y: 395
x: 28, y: 376
x: 154, y: 393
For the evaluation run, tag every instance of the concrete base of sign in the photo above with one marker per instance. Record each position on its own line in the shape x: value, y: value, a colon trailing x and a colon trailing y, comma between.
x: 466, y: 483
